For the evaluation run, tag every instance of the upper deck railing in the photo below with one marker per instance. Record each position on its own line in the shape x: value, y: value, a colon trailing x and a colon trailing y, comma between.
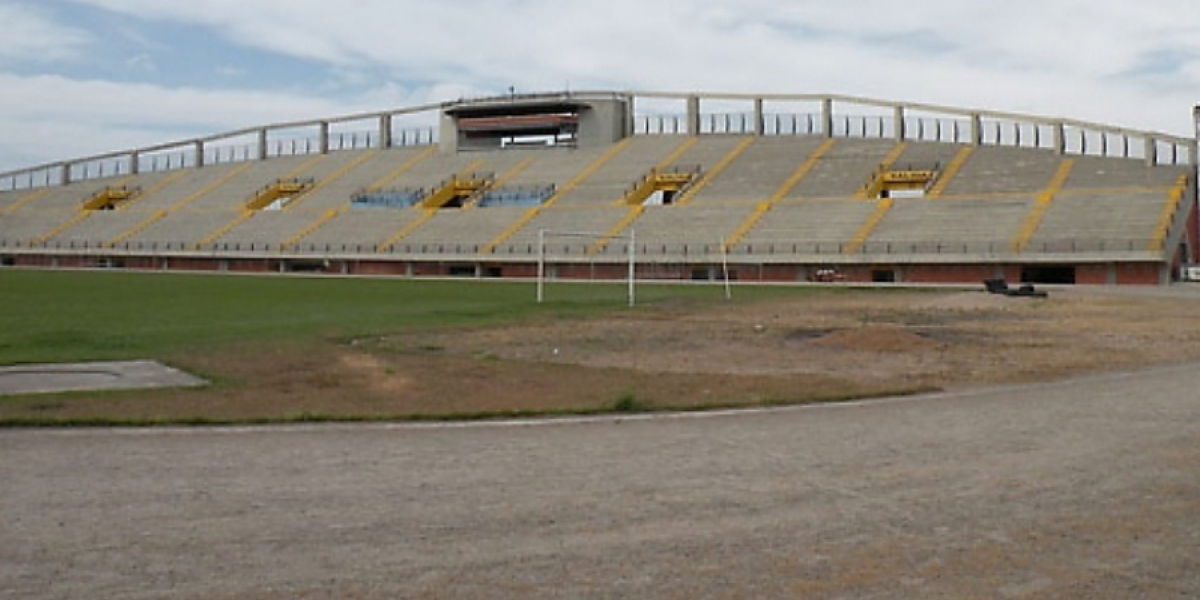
x: 652, y: 113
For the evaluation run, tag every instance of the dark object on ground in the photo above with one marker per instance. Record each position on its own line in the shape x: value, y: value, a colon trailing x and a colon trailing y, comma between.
x: 999, y: 286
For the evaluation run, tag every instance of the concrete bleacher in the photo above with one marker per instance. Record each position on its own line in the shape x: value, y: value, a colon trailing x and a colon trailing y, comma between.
x: 1092, y: 172
x: 206, y: 213
x: 842, y: 171
x: 919, y: 156
x: 691, y: 230
x: 358, y: 230
x: 805, y: 227
x: 759, y: 170
x: 1099, y: 222
x: 609, y: 182
x: 917, y: 226
x: 32, y: 215
x: 1004, y: 170
x: 993, y: 205
x: 590, y: 219
x: 458, y: 232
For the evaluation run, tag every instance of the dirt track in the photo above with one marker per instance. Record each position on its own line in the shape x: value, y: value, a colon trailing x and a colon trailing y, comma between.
x: 1084, y: 489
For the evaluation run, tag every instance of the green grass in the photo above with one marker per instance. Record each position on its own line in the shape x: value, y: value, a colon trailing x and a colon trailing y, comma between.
x: 62, y: 316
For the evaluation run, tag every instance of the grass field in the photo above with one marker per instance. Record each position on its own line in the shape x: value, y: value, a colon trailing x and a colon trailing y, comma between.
x: 62, y: 316
x: 285, y: 348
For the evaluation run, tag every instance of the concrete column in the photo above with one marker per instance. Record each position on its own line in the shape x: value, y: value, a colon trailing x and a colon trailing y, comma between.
x: 262, y: 144
x: 66, y: 173
x: 976, y: 130
x: 134, y: 159
x: 898, y: 119
x: 199, y: 153
x: 827, y: 117
x: 385, y: 132
x: 693, y: 115
x: 630, y: 118
x: 323, y: 138
x: 760, y: 126
x: 1060, y: 139
x: 1151, y: 152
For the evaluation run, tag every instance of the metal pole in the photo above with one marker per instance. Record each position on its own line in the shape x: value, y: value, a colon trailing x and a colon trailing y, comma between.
x: 725, y: 269
x: 632, y: 266
x: 541, y: 265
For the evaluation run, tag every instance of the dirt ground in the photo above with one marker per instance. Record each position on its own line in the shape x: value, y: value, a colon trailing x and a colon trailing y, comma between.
x: 681, y: 355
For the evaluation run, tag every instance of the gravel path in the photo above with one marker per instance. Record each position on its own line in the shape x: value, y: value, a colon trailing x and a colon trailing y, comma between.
x: 1082, y: 489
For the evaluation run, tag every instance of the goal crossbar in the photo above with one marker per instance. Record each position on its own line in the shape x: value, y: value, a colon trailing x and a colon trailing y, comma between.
x: 631, y: 237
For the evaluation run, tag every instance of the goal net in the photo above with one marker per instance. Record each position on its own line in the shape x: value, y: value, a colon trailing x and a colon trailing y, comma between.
x: 588, y: 240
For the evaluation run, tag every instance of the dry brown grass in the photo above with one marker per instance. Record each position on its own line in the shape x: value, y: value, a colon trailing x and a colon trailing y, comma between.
x: 790, y: 351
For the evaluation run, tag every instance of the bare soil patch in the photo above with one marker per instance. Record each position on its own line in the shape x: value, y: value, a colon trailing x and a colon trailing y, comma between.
x: 681, y: 356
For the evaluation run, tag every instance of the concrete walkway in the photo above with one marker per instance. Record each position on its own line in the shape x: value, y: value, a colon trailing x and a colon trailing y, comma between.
x: 1083, y: 489
x: 92, y: 376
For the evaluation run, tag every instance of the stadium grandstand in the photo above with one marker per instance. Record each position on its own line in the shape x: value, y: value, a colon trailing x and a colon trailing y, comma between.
x: 693, y: 186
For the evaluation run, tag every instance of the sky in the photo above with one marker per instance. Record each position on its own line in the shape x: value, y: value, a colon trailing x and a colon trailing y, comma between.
x: 82, y: 77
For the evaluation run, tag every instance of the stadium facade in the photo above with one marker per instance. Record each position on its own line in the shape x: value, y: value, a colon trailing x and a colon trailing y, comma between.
x: 692, y: 186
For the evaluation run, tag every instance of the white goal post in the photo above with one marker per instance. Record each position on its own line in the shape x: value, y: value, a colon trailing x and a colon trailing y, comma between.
x: 543, y: 234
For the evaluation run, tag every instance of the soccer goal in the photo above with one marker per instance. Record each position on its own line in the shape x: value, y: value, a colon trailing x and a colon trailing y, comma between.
x: 598, y: 238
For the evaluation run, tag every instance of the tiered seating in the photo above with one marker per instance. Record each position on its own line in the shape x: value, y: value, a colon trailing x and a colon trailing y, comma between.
x: 593, y: 219
x: 100, y: 227
x: 1079, y: 222
x: 692, y: 230
x: 759, y: 170
x: 208, y: 212
x: 843, y: 170
x: 920, y: 226
x: 459, y: 232
x: 1108, y: 173
x: 358, y: 231
x: 806, y: 227
x: 1004, y: 170
x: 920, y: 156
x: 609, y: 183
x: 34, y: 214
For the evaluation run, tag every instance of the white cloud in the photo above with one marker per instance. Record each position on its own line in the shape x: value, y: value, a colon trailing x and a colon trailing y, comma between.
x: 44, y: 120
x: 1131, y: 64
x: 31, y: 35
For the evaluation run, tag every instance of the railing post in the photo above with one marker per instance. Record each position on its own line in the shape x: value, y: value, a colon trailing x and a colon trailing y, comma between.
x: 199, y: 148
x: 976, y: 130
x: 898, y: 120
x: 1151, y: 151
x: 65, y: 171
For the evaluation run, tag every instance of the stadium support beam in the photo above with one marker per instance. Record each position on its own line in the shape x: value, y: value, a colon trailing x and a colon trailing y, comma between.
x: 898, y: 120
x: 760, y: 124
x: 385, y: 131
x: 693, y: 115
x: 827, y: 117
x: 262, y: 144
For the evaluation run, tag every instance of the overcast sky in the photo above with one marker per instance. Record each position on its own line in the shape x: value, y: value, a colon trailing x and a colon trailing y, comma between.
x: 81, y: 77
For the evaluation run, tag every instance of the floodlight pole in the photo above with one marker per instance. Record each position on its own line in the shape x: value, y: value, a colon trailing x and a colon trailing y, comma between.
x: 541, y: 265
